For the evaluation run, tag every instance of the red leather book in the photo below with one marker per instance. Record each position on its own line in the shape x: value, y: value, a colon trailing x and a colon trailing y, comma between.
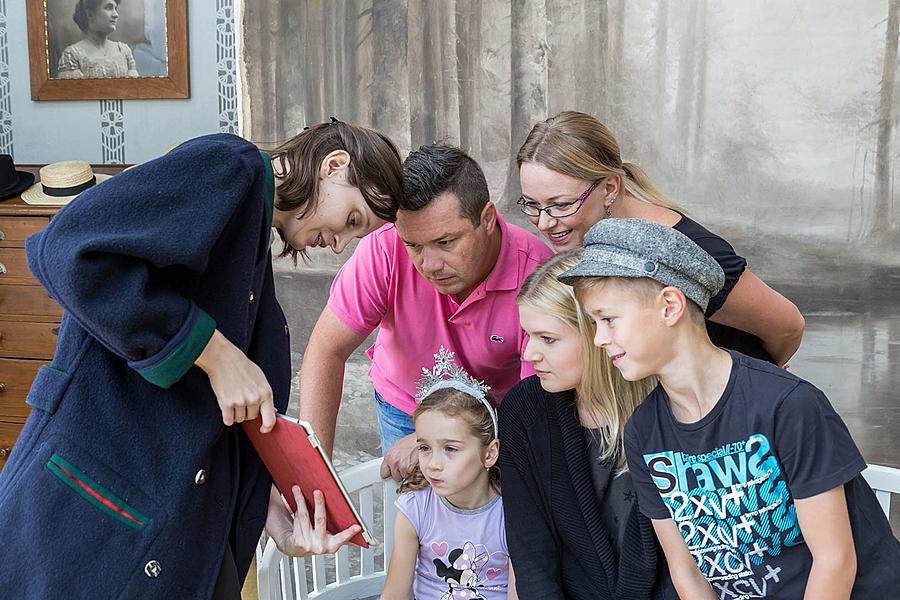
x: 293, y: 456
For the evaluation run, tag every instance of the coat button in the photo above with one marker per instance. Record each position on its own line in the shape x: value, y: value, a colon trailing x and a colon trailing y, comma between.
x: 153, y: 569
x: 200, y: 477
x: 252, y: 297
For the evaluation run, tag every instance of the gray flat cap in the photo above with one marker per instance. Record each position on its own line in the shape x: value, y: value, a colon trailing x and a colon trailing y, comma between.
x: 638, y: 248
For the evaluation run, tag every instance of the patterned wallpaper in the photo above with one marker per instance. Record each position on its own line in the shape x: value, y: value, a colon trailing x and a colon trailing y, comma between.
x: 5, y: 101
x: 226, y: 66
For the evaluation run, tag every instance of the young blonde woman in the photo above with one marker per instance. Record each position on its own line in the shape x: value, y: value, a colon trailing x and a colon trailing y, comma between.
x: 572, y: 175
x: 573, y: 527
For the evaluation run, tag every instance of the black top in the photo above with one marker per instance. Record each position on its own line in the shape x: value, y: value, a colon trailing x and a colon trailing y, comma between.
x: 733, y: 265
x: 730, y: 479
x: 615, y: 493
x: 557, y: 540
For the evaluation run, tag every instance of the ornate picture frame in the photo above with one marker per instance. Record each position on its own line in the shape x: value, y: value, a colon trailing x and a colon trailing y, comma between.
x: 142, y: 50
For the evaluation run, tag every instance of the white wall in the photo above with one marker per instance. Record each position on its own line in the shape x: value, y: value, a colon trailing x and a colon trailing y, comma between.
x: 49, y: 131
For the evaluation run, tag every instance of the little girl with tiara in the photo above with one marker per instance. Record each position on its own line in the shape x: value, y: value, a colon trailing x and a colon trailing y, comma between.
x: 449, y: 534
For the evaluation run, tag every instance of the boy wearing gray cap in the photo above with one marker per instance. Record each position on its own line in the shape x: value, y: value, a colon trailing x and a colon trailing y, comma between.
x: 751, y: 479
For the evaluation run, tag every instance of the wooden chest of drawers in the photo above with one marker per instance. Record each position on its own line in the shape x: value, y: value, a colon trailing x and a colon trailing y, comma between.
x: 29, y: 318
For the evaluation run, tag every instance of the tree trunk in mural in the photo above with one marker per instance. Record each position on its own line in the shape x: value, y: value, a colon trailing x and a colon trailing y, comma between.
x: 333, y: 59
x: 617, y: 68
x: 390, y: 94
x: 602, y: 52
x: 700, y: 105
x: 665, y: 125
x: 567, y: 63
x: 593, y: 60
x: 662, y: 33
x: 530, y: 58
x: 313, y: 18
x: 687, y: 89
x: 468, y: 48
x: 418, y: 52
x: 357, y: 30
x: 289, y: 64
x: 494, y: 108
x: 446, y: 79
x: 258, y: 67
x: 882, y: 218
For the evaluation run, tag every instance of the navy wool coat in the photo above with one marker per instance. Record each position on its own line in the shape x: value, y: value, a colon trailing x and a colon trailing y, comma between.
x: 124, y: 482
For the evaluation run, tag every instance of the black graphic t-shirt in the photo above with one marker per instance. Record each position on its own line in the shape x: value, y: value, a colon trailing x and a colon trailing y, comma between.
x: 729, y: 482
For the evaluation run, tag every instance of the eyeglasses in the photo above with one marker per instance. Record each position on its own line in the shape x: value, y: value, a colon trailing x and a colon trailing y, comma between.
x: 558, y: 210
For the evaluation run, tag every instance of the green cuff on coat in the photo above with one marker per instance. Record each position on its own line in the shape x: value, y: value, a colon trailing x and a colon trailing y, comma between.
x: 181, y: 358
x: 270, y: 186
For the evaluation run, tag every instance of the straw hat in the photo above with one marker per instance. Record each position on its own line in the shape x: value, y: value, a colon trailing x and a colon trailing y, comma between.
x: 61, y: 181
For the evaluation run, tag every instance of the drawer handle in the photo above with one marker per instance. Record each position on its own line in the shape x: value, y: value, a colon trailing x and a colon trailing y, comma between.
x: 55, y: 331
x: 2, y: 269
x: 2, y: 387
x: 2, y: 235
x: 4, y: 452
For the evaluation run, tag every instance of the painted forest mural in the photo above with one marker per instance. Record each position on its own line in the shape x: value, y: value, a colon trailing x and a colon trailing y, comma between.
x: 773, y: 122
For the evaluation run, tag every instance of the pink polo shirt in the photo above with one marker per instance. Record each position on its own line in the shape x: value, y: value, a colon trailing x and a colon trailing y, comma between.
x: 380, y: 287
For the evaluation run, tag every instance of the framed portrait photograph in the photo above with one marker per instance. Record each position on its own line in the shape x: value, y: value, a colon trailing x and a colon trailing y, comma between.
x: 104, y: 49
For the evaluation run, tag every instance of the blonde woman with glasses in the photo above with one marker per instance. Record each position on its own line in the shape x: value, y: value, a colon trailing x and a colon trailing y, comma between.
x: 572, y: 175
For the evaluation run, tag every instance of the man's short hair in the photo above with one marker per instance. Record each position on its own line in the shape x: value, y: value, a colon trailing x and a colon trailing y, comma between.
x: 437, y: 168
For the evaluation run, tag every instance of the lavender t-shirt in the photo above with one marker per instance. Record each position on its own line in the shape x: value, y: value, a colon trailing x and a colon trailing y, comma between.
x: 462, y: 552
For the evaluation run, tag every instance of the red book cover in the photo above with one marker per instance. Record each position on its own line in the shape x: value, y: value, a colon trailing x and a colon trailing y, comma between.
x: 293, y: 456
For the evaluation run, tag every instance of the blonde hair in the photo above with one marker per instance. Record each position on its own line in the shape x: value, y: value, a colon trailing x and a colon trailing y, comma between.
x: 602, y: 392
x: 580, y: 146
x: 454, y: 403
x: 643, y: 289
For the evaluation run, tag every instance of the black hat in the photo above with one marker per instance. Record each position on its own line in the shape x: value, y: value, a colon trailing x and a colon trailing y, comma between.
x: 12, y: 182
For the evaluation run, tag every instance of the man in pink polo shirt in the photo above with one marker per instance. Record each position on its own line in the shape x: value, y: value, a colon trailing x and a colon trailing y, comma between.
x: 447, y: 273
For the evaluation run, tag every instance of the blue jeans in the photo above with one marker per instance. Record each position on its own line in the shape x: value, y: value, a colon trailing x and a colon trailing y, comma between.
x: 393, y: 423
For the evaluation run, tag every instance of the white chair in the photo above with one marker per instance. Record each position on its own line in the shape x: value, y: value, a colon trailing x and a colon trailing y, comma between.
x: 884, y: 481
x: 281, y: 577
x: 284, y: 578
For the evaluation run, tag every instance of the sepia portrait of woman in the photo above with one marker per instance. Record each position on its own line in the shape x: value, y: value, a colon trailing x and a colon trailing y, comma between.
x: 95, y: 55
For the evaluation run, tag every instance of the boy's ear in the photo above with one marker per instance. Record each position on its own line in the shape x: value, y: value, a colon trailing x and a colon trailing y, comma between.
x: 491, y: 454
x: 673, y: 304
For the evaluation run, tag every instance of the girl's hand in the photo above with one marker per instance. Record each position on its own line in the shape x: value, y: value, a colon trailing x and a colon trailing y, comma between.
x: 240, y: 385
x: 297, y: 536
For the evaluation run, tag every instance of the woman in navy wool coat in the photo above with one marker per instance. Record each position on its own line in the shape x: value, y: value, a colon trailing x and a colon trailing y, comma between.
x: 129, y: 480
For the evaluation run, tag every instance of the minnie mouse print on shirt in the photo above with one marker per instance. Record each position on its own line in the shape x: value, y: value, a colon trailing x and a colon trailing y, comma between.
x: 462, y: 552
